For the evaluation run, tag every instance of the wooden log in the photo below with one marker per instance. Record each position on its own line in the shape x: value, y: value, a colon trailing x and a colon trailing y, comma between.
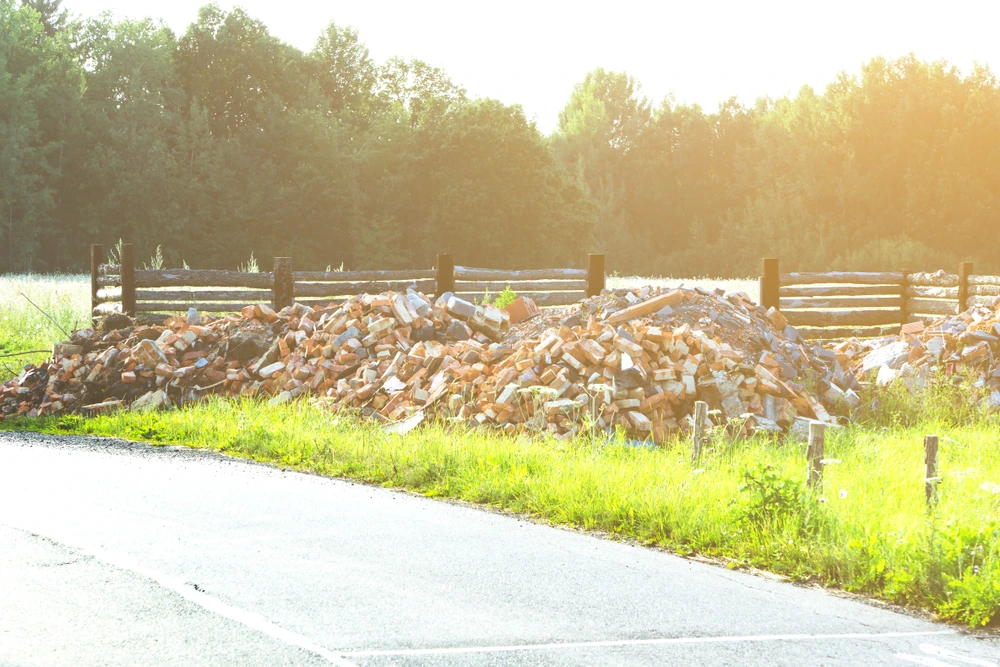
x: 348, y: 276
x: 932, y: 306
x: 128, y: 280
x: 322, y: 303
x: 519, y: 287
x: 915, y: 317
x: 984, y: 280
x: 984, y: 290
x: 246, y: 296
x: 499, y: 275
x: 202, y: 278
x: 284, y: 284
x: 540, y: 298
x: 163, y: 306
x: 842, y: 290
x: 815, y: 455
x: 988, y: 301
x: 595, y: 274
x: 107, y: 309
x: 843, y: 318
x: 964, y: 271
x: 930, y: 471
x: 110, y: 270
x: 849, y: 302
x: 813, y: 333
x: 837, y: 277
x: 353, y: 288
x: 96, y: 255
x: 698, y: 430
x: 444, y: 274
x: 932, y: 279
x: 770, y: 283
x: 105, y: 295
x: 109, y: 281
x: 933, y: 292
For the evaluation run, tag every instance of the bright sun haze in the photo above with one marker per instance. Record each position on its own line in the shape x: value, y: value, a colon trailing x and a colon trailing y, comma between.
x: 532, y: 53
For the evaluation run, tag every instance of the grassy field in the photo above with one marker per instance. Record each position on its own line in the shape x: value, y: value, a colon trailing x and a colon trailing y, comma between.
x: 66, y: 298
x: 867, y: 530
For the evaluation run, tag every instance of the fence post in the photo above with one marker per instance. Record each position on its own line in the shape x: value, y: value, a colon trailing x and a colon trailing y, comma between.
x: 930, y: 461
x: 769, y: 287
x: 128, y: 279
x: 904, y: 286
x: 96, y: 254
x: 698, y: 435
x: 595, y: 274
x: 444, y: 276
x: 964, y: 271
x: 284, y: 286
x: 815, y: 454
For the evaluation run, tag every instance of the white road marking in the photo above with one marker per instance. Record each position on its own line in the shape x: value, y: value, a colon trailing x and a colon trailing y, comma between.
x: 639, y: 642
x: 188, y: 592
x: 951, y: 655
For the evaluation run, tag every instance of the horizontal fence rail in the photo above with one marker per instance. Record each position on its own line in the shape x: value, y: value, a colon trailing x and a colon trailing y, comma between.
x: 157, y: 293
x: 869, y: 304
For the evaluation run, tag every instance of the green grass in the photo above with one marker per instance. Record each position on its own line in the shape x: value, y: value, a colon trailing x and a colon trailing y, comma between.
x: 66, y: 298
x: 867, y: 531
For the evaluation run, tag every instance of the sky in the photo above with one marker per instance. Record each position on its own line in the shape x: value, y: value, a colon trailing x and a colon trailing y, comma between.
x: 532, y: 52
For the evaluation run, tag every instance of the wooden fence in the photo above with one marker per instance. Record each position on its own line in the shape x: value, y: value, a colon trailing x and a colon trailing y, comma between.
x: 123, y: 288
x: 840, y: 305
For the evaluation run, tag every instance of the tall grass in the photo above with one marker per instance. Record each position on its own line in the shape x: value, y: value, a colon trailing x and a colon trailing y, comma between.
x: 868, y: 530
x: 66, y: 298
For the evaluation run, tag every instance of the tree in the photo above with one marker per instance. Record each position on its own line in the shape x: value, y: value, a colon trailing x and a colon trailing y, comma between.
x: 38, y: 82
x: 52, y: 14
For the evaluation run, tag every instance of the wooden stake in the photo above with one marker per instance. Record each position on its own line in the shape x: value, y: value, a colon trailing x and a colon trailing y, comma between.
x: 769, y: 284
x: 595, y: 274
x: 444, y: 276
x: 930, y: 477
x: 284, y: 285
x: 815, y: 454
x: 96, y: 255
x: 964, y: 271
x: 128, y: 280
x: 698, y: 433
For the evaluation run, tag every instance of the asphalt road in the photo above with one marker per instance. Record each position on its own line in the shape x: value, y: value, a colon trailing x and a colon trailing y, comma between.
x: 117, y: 554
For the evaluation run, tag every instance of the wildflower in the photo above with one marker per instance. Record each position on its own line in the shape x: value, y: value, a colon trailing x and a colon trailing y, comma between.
x: 823, y: 500
x: 975, y: 569
x: 698, y: 471
x: 843, y: 494
x: 990, y: 487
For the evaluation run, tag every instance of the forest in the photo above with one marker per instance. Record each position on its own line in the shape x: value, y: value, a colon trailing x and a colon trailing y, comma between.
x: 224, y: 141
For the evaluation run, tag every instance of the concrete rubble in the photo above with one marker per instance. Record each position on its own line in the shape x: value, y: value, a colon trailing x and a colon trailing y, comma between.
x: 956, y: 347
x: 631, y: 360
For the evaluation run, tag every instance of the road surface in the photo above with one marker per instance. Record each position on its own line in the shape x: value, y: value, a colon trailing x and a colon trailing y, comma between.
x: 119, y: 554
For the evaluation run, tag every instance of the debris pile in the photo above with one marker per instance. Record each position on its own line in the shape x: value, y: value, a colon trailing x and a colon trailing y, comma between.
x: 964, y: 345
x: 632, y: 360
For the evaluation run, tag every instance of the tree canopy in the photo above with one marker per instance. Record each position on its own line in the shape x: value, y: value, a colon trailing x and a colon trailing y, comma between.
x: 224, y: 141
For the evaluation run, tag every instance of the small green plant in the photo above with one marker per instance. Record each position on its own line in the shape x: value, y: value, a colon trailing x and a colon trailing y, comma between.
x: 502, y: 300
x: 250, y: 266
x: 768, y: 496
x: 185, y: 266
x: 155, y: 262
x: 505, y: 298
x: 115, y: 253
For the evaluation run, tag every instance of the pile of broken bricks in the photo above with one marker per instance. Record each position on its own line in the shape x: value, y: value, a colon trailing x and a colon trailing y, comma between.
x: 959, y: 346
x: 632, y: 360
